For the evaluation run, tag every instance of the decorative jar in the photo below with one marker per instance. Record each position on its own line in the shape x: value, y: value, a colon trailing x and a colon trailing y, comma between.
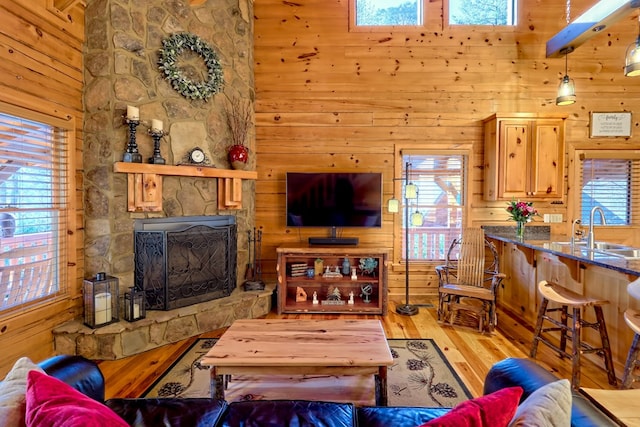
x: 520, y: 229
x: 238, y: 156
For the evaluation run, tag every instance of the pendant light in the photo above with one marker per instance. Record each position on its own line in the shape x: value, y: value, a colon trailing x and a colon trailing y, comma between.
x: 632, y: 59
x: 567, y: 88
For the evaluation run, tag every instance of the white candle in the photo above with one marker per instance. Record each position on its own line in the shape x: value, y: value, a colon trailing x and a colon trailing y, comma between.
x: 133, y: 113
x: 156, y: 125
x: 103, y: 308
x: 136, y: 310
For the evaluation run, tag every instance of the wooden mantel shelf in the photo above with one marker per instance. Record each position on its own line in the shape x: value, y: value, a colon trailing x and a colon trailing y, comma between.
x: 144, y: 184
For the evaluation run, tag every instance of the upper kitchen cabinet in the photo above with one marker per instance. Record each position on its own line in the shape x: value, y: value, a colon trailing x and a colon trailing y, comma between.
x: 524, y: 157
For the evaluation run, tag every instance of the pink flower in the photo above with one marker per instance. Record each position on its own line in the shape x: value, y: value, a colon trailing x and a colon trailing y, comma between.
x: 521, y: 211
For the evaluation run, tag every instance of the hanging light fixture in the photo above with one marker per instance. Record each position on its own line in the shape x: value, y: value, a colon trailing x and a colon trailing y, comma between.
x: 632, y: 59
x: 567, y: 88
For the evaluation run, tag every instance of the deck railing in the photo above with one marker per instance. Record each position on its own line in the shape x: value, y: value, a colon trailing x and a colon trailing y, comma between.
x: 26, y: 269
x: 430, y: 243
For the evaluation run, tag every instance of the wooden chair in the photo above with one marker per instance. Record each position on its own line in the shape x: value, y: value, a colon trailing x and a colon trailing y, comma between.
x: 470, y: 279
x: 632, y: 318
x: 25, y: 275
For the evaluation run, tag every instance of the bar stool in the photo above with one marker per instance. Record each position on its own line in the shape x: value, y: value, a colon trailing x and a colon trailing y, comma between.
x: 564, y: 297
x: 632, y: 317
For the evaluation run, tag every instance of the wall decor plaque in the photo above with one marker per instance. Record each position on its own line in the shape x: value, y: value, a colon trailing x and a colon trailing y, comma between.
x: 608, y: 124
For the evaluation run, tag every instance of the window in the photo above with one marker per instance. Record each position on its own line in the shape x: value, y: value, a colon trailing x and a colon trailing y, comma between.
x: 436, y: 214
x: 33, y: 207
x: 483, y: 12
x: 610, y: 181
x: 388, y: 12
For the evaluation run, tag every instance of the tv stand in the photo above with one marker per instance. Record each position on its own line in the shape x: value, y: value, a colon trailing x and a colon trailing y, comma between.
x: 366, y: 289
x: 333, y: 240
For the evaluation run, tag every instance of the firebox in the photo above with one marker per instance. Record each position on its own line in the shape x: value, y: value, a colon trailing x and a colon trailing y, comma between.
x: 182, y: 261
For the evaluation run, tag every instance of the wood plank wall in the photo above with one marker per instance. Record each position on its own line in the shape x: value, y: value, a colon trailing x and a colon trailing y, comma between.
x: 41, y: 70
x: 330, y: 99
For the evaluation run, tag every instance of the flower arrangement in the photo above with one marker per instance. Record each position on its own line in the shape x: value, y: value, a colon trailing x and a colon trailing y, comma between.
x: 521, y: 211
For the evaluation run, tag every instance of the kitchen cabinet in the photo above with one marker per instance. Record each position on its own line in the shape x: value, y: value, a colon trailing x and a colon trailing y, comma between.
x: 524, y: 157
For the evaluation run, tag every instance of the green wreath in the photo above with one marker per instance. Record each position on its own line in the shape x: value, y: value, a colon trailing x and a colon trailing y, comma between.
x: 172, y: 47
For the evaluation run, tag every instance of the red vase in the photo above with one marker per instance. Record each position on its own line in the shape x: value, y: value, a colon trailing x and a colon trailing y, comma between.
x: 238, y: 156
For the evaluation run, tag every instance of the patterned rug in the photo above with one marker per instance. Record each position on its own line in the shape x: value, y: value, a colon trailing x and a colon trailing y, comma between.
x: 420, y: 376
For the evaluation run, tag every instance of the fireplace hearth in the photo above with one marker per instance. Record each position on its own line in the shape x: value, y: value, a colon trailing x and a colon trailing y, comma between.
x: 185, y: 260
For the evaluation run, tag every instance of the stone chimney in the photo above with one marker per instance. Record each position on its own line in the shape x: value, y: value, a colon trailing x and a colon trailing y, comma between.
x: 123, y: 39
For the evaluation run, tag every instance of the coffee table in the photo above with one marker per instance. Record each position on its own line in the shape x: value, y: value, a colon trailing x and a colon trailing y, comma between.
x: 301, y: 347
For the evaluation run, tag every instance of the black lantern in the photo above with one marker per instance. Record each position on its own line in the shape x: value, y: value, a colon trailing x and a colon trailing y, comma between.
x: 134, y: 305
x: 100, y: 300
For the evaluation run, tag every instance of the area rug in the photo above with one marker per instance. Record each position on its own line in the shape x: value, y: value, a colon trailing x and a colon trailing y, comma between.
x: 420, y: 376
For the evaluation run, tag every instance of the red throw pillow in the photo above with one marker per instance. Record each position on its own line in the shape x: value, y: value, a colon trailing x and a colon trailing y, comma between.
x: 493, y: 410
x: 53, y: 403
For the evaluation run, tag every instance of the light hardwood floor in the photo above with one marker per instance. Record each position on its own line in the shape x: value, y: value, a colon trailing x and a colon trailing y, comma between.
x: 470, y: 353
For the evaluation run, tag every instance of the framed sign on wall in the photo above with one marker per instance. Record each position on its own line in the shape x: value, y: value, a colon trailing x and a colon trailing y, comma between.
x: 614, y: 123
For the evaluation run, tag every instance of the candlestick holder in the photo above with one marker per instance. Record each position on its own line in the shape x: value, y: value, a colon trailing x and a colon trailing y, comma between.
x: 157, y: 158
x: 132, y: 155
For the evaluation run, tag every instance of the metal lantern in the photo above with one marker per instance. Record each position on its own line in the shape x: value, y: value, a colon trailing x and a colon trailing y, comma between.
x: 100, y: 300
x: 134, y: 305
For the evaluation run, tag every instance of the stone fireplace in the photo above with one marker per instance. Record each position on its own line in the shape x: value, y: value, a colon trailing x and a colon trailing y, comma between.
x: 185, y: 260
x: 120, y: 59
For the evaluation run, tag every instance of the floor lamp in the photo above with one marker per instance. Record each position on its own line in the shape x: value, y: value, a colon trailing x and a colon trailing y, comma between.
x: 410, y: 192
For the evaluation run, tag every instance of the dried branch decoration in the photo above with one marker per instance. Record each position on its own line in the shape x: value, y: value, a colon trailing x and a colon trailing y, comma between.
x: 238, y: 114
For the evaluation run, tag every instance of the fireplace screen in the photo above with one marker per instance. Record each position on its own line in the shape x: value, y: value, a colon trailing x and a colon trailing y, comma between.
x: 185, y: 263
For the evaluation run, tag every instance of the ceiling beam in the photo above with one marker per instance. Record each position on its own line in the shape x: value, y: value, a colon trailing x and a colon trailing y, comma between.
x: 593, y: 21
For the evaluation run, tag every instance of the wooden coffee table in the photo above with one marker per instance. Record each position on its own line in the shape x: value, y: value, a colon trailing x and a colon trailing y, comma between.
x: 301, y: 347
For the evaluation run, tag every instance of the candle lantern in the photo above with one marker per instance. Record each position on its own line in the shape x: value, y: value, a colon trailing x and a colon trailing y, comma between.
x: 134, y: 305
x: 100, y: 300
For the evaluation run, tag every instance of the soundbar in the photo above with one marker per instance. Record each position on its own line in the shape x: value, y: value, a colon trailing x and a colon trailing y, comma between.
x: 334, y: 241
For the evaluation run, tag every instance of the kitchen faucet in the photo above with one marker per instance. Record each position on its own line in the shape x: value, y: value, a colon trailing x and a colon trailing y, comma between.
x: 574, y: 232
x: 591, y: 241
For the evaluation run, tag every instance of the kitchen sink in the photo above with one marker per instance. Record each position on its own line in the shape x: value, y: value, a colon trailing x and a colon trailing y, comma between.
x: 628, y: 253
x: 603, y: 250
x: 600, y: 246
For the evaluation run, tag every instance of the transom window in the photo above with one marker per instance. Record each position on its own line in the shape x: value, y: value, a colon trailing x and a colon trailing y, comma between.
x: 33, y: 208
x: 388, y: 12
x: 436, y: 215
x: 483, y: 12
x: 610, y: 181
x: 399, y: 13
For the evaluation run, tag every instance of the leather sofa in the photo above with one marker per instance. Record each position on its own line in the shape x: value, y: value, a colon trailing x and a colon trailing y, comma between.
x: 85, y: 376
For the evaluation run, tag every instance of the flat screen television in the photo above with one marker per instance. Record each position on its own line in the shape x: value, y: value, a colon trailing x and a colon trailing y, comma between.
x: 334, y: 199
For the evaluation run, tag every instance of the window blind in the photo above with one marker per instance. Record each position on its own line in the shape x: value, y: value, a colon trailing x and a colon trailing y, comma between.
x: 33, y: 210
x: 612, y: 184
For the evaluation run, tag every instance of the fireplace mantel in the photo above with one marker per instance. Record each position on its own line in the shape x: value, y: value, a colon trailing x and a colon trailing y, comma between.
x: 144, y: 184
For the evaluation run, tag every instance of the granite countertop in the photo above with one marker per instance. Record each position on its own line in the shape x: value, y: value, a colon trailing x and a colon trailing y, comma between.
x: 539, y: 238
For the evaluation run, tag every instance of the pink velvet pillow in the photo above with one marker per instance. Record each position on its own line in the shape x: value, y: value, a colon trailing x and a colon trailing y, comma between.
x: 53, y: 403
x: 493, y: 410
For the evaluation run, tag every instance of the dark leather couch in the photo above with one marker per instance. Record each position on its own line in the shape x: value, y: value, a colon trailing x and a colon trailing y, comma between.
x: 85, y: 376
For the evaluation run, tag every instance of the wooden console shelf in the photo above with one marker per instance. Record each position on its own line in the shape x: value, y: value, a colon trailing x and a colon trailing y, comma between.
x: 144, y: 184
x: 293, y: 260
